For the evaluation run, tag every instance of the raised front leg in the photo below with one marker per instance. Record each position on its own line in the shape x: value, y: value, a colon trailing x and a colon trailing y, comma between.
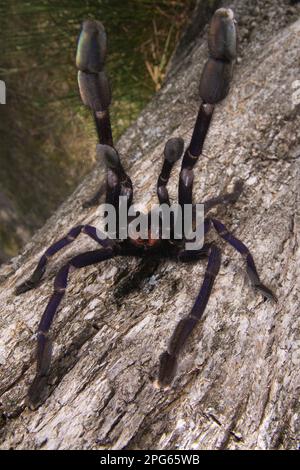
x: 92, y: 79
x: 214, y: 87
x: 96, y: 94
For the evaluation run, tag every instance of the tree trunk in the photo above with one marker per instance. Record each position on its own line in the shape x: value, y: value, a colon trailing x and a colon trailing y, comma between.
x: 237, y: 385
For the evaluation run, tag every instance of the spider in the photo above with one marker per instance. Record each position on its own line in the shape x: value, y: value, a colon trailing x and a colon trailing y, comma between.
x: 95, y: 93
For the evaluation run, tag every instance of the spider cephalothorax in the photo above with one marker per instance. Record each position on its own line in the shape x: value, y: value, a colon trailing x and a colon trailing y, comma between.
x: 95, y: 93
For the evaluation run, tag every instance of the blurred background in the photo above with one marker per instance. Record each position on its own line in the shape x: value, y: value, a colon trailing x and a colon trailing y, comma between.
x: 47, y: 136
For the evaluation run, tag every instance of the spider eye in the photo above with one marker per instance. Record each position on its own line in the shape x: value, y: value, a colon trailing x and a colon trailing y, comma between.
x: 92, y: 47
x: 174, y: 149
x: 109, y: 155
x: 222, y: 35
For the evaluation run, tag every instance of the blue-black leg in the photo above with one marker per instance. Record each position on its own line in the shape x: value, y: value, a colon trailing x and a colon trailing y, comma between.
x: 193, y: 152
x: 214, y: 87
x: 44, y: 343
x: 183, y: 330
x: 96, y: 94
x: 250, y: 265
x: 92, y: 80
x: 172, y: 152
x: 93, y: 84
x: 118, y: 182
x: 194, y: 255
x: 37, y: 275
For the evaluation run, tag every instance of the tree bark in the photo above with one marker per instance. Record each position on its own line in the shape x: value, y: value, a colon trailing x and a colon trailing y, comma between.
x: 238, y: 381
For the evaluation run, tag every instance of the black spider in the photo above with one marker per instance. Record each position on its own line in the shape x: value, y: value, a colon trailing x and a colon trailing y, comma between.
x: 95, y: 93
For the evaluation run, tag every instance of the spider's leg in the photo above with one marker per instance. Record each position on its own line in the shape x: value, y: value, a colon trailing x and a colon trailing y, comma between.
x: 37, y: 275
x: 118, y: 182
x: 92, y: 79
x: 227, y: 198
x: 93, y: 84
x: 168, y: 360
x: 214, y: 87
x: 44, y: 344
x: 96, y: 94
x: 250, y: 265
x: 192, y: 154
x: 172, y: 152
x: 194, y: 255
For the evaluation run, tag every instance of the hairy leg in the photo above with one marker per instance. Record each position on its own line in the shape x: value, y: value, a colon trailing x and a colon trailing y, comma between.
x: 183, y: 330
x: 37, y: 275
x: 194, y: 255
x: 96, y: 94
x: 172, y: 152
x: 214, y: 87
x: 250, y: 265
x: 92, y: 79
x: 192, y: 154
x: 118, y: 182
x: 44, y: 343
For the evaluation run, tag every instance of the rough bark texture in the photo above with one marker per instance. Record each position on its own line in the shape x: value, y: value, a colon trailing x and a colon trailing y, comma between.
x: 238, y: 382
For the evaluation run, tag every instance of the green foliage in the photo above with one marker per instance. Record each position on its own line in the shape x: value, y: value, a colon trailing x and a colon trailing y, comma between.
x: 46, y: 32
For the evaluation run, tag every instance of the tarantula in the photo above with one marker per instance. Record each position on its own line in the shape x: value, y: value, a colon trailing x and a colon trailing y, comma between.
x: 95, y: 93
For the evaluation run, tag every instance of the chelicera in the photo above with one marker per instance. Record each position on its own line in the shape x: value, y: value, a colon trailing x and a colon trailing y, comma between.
x: 95, y: 93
